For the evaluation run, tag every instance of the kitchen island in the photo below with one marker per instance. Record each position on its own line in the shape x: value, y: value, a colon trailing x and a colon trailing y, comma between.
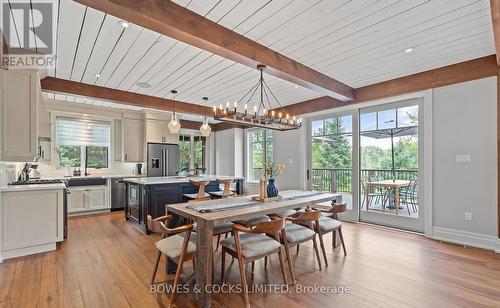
x: 149, y: 195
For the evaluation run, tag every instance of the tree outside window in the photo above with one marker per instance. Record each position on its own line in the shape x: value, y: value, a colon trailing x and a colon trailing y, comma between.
x: 261, y: 152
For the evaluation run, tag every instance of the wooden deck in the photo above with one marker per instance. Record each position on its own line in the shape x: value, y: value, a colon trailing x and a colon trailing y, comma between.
x: 106, y: 262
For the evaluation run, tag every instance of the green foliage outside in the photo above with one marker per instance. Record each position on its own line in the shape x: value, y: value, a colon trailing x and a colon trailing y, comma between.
x: 71, y: 155
x: 332, y: 150
x: 184, y: 153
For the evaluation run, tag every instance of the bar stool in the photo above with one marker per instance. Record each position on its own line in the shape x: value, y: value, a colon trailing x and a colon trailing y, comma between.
x: 227, y: 189
x: 201, y: 195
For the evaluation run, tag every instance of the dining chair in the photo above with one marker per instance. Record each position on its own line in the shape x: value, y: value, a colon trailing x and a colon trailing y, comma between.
x: 176, y: 247
x: 252, y: 243
x: 330, y: 222
x: 225, y: 192
x: 409, y: 196
x: 201, y: 195
x: 303, y: 228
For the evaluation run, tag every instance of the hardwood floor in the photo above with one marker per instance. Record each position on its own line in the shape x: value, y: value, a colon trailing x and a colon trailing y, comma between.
x: 106, y: 262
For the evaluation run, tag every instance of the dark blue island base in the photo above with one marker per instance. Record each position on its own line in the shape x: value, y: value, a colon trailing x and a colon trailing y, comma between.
x: 150, y: 199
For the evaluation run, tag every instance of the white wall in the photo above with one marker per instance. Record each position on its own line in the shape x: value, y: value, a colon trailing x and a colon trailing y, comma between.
x: 464, y: 122
x: 229, y: 152
x: 290, y: 148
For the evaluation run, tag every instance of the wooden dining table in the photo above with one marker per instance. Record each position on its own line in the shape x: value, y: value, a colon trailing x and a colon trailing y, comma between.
x: 396, y: 185
x: 206, y: 215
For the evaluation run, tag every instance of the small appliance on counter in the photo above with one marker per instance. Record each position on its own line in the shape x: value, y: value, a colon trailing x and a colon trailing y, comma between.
x: 138, y: 169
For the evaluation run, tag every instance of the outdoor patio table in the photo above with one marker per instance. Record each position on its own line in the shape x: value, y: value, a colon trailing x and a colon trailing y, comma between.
x: 396, y: 185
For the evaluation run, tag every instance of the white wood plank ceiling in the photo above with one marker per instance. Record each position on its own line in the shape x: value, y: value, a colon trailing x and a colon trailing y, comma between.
x: 358, y: 42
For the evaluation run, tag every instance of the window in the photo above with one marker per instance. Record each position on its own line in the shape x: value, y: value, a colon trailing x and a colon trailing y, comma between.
x: 184, y: 152
x: 81, y: 141
x: 200, y: 145
x: 192, y: 153
x: 261, y: 152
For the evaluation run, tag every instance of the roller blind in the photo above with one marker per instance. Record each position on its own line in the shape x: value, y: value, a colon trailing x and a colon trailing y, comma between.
x: 81, y: 132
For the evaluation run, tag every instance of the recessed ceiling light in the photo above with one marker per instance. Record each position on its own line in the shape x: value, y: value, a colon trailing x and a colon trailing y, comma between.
x: 123, y: 23
x: 409, y: 50
x: 295, y: 86
x: 143, y: 85
x: 98, y: 75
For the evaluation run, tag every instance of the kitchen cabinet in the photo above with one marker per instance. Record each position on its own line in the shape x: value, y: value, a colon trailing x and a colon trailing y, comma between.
x: 88, y: 198
x: 31, y: 221
x: 157, y: 132
x: 133, y: 140
x: 19, y: 90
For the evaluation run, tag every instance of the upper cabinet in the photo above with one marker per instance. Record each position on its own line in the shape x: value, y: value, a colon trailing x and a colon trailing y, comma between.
x: 157, y: 132
x: 19, y: 91
x: 133, y: 140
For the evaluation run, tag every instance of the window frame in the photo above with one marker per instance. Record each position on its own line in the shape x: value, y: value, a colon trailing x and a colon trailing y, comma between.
x: 193, y: 136
x: 54, y: 146
x: 249, y: 153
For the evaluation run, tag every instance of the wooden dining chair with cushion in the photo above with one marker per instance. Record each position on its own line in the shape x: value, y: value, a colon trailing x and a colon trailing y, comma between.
x: 226, y: 192
x: 252, y: 221
x: 176, y: 244
x: 330, y: 222
x: 201, y: 195
x: 304, y: 228
x: 252, y: 243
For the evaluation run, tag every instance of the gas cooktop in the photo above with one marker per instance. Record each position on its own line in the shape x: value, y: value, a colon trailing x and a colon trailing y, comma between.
x: 37, y: 182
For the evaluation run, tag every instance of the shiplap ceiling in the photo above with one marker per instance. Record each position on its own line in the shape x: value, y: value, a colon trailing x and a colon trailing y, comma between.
x: 358, y: 42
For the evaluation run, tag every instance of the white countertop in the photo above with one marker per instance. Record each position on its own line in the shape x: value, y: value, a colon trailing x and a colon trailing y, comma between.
x: 9, y: 188
x: 104, y: 176
x: 177, y: 179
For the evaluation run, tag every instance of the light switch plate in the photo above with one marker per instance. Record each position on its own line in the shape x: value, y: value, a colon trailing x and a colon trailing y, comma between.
x: 468, y: 216
x: 463, y: 158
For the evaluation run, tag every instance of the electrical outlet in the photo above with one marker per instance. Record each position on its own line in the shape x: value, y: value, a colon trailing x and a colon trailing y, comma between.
x: 463, y: 158
x: 468, y: 216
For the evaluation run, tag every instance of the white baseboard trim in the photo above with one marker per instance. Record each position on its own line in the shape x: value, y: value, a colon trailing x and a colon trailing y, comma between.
x: 8, y: 254
x: 466, y: 238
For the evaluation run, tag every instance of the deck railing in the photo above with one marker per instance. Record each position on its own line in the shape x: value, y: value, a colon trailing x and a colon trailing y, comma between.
x: 340, y: 179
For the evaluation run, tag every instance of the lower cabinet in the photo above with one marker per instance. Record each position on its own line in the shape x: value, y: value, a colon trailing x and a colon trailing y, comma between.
x: 31, y: 221
x: 88, y: 198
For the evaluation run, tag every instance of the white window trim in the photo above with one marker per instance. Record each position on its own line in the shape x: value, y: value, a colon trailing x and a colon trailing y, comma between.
x: 248, y: 148
x: 55, y: 157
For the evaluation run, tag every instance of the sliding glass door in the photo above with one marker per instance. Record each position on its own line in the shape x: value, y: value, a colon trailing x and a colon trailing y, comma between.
x: 390, y: 153
x: 333, y: 144
x: 373, y: 158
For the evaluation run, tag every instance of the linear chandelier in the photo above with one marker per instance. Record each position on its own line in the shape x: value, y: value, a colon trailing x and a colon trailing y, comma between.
x: 263, y: 115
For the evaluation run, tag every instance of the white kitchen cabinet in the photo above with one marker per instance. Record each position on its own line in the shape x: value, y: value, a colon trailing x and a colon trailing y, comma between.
x: 18, y: 105
x: 31, y: 221
x: 97, y: 198
x: 157, y: 132
x: 154, y: 131
x: 88, y: 198
x: 76, y: 200
x: 133, y: 140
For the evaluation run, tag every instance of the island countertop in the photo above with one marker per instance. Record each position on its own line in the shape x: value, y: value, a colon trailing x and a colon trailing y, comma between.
x: 177, y: 179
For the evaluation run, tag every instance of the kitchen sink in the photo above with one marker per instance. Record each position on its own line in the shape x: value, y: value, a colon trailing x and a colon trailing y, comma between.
x: 88, y: 181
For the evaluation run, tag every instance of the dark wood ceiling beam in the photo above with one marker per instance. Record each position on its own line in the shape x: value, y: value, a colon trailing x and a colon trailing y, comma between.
x: 443, y: 76
x: 61, y: 86
x: 495, y: 18
x: 175, y: 21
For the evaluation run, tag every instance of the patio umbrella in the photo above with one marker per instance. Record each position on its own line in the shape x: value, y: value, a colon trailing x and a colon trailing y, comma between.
x: 391, y: 133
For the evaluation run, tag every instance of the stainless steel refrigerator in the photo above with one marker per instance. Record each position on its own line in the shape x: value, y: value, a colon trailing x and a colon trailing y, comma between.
x: 163, y: 159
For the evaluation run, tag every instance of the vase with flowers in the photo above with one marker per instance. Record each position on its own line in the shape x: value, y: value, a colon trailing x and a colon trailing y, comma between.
x: 272, y: 170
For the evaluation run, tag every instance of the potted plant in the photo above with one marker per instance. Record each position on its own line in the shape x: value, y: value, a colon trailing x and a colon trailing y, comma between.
x: 272, y: 170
